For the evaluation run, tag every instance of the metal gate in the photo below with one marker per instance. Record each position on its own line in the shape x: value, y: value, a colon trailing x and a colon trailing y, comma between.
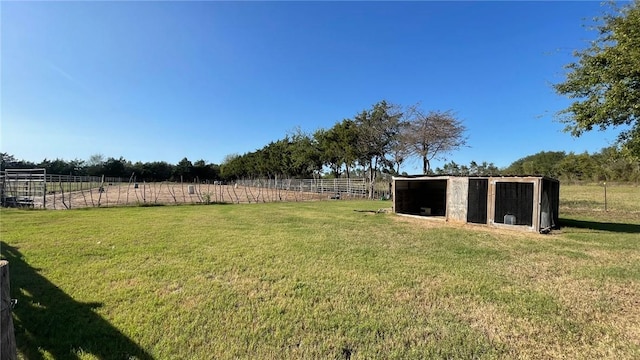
x: 23, y: 188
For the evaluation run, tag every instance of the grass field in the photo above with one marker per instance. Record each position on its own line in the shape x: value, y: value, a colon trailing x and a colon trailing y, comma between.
x: 319, y: 280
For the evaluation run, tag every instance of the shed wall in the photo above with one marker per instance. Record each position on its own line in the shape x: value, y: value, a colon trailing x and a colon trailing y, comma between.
x: 457, y: 197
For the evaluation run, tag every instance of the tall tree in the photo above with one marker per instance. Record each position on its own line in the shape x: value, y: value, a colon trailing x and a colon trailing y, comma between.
x: 338, y: 145
x: 305, y: 155
x: 230, y: 169
x: 8, y: 161
x: 399, y: 150
x: 605, y: 79
x: 95, y: 165
x: 377, y: 130
x: 203, y: 171
x: 330, y: 151
x: 116, y: 167
x: 347, y: 137
x: 183, y: 170
x: 432, y: 135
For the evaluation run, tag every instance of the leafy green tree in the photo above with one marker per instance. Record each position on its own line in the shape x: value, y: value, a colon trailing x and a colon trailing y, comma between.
x: 451, y: 168
x: 253, y: 164
x: 605, y: 79
x: 78, y: 167
x: 613, y: 165
x: 183, y: 170
x: 347, y: 137
x: 151, y: 171
x: 305, y: 155
x: 8, y: 161
x: 577, y: 167
x: 483, y: 169
x: 330, y: 152
x: 116, y: 167
x: 277, y: 158
x: 338, y: 146
x: 203, y: 171
x: 542, y: 163
x: 213, y: 171
x: 62, y: 167
x: 377, y: 129
x: 230, y: 167
x: 474, y: 169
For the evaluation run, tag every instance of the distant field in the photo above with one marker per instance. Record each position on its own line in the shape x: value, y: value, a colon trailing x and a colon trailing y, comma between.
x: 623, y: 201
x: 326, y: 280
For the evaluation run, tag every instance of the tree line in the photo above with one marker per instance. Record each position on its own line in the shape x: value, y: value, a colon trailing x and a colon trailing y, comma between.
x: 609, y: 164
x: 374, y: 142
x: 97, y: 165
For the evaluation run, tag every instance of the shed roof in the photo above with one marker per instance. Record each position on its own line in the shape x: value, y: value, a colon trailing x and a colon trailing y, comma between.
x: 441, y: 176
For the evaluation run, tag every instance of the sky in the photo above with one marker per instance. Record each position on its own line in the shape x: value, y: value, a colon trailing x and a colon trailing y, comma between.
x: 160, y: 81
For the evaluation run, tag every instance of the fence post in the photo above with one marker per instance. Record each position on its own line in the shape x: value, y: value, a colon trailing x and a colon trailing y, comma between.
x: 7, y: 337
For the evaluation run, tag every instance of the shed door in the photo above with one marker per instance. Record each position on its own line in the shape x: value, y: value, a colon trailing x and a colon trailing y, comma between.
x: 477, y: 201
x: 514, y: 198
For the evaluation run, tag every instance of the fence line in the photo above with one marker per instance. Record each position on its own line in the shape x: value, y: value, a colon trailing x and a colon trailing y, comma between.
x: 337, y: 187
x: 67, y: 192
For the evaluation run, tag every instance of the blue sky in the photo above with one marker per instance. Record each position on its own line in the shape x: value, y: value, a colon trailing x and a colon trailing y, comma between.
x: 163, y: 80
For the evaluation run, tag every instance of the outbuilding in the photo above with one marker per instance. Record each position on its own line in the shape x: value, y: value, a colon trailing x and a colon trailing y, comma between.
x: 519, y: 202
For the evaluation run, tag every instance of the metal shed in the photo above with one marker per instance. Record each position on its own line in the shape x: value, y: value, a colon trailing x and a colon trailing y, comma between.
x: 521, y: 202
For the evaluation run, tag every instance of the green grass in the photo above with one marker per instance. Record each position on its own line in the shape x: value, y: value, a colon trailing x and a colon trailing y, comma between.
x: 318, y: 280
x: 588, y: 201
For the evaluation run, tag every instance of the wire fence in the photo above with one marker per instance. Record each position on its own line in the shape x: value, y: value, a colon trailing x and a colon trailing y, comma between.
x: 335, y: 187
x: 45, y: 191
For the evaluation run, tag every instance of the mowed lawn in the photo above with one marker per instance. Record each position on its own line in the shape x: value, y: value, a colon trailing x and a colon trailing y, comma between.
x: 321, y: 280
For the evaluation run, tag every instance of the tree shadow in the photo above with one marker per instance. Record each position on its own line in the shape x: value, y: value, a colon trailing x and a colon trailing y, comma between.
x: 46, y: 319
x: 604, y: 226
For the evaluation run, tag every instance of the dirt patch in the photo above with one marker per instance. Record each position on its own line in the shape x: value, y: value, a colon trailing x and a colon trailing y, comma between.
x: 167, y: 193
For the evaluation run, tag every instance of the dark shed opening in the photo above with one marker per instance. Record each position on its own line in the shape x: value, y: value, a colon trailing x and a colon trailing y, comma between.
x: 422, y: 197
x: 477, y: 201
x: 515, y: 199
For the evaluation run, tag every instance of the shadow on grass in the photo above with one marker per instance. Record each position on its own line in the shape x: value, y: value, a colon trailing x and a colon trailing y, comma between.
x: 48, y: 320
x: 604, y: 226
